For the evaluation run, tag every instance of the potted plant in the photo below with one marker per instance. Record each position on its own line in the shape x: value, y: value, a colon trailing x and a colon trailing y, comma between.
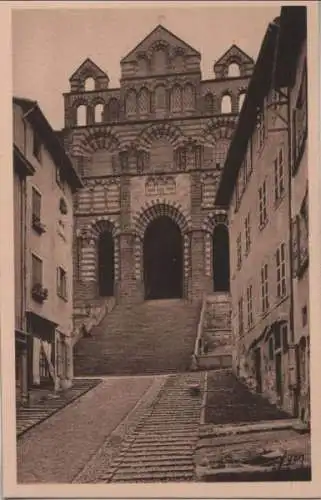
x: 39, y: 293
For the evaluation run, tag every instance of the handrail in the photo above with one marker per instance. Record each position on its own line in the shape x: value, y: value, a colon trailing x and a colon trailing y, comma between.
x: 200, y: 327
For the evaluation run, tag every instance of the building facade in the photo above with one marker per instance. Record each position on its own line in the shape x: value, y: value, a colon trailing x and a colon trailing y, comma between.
x: 150, y: 155
x: 261, y: 187
x: 43, y: 247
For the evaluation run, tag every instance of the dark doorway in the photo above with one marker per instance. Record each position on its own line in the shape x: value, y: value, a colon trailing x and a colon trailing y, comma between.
x: 258, y: 372
x: 106, y: 264
x: 163, y: 262
x: 221, y: 259
x: 278, y: 376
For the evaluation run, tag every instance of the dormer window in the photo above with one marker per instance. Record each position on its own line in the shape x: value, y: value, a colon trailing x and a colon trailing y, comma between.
x: 234, y: 70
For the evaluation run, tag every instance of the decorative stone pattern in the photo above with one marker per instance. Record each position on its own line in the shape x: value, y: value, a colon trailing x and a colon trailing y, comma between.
x: 159, y: 132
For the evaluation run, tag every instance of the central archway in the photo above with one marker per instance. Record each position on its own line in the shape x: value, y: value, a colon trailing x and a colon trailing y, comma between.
x: 163, y: 259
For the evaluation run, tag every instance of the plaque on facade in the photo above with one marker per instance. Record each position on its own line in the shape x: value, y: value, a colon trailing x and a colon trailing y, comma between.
x: 160, y: 186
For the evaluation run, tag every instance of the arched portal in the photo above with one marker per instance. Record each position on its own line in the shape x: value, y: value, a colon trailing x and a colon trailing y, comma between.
x: 106, y: 266
x: 221, y: 259
x: 163, y: 259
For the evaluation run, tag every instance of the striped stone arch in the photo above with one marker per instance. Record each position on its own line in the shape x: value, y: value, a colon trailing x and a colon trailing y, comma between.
x: 159, y: 131
x: 212, y: 220
x: 88, y: 237
x: 93, y: 139
x: 219, y: 128
x: 148, y: 213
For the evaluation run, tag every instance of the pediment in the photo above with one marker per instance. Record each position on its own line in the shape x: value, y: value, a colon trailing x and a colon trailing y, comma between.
x: 160, y: 37
x: 234, y: 54
x: 88, y: 69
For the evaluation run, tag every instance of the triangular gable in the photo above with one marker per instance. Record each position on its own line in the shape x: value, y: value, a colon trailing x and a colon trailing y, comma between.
x: 88, y: 67
x: 159, y: 33
x: 234, y: 52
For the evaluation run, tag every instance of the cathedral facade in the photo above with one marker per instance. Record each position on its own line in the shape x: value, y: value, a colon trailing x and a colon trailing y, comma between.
x: 150, y: 155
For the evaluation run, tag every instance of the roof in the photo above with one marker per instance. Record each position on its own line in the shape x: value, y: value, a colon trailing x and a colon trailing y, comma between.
x: 293, y: 31
x: 38, y: 120
x: 162, y: 30
x: 88, y: 64
x: 234, y: 49
x: 257, y: 89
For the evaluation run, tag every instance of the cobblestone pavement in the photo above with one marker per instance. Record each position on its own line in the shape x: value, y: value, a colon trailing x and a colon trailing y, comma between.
x: 36, y: 412
x: 56, y: 450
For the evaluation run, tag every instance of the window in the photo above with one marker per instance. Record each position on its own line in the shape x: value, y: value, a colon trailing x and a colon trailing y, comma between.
x: 160, y: 98
x: 264, y: 288
x: 131, y: 103
x: 113, y: 110
x: 226, y: 104
x: 81, y: 115
x: 36, y: 212
x: 176, y: 99
x: 299, y: 124
x: 43, y: 365
x: 189, y: 97
x: 209, y: 104
x: 89, y: 84
x: 239, y: 251
x: 278, y: 176
x: 99, y: 111
x: 249, y: 297
x: 143, y: 101
x: 247, y: 233
x: 260, y: 129
x: 36, y: 146
x: 61, y: 283
x: 220, y: 153
x: 262, y: 204
x: 36, y: 270
x: 240, y: 317
x: 280, y: 271
x: 234, y: 70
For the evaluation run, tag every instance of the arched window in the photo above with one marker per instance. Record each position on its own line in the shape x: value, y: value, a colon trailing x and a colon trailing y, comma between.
x: 81, y: 115
x: 143, y: 101
x: 189, y: 97
x: 226, y: 104
x: 220, y: 152
x: 160, y: 60
x: 113, y: 110
x: 234, y: 70
x: 176, y: 98
x: 160, y: 98
x: 209, y: 103
x: 221, y: 259
x: 89, y: 84
x: 241, y: 100
x: 130, y: 104
x: 106, y: 264
x: 99, y: 111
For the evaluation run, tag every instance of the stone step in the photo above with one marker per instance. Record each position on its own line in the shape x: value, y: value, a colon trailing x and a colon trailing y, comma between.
x: 145, y: 477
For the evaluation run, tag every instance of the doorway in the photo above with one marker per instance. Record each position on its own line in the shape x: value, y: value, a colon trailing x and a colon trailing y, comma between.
x: 163, y: 260
x: 106, y: 264
x: 221, y: 259
x: 258, y: 370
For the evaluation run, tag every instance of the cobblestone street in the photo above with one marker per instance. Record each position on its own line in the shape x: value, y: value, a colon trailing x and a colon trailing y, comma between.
x: 156, y: 428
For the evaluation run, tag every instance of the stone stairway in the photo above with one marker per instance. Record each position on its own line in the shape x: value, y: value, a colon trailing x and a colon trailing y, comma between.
x: 151, y: 337
x: 162, y: 446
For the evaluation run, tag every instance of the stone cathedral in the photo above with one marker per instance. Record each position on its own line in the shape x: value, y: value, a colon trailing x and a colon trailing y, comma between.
x: 150, y: 154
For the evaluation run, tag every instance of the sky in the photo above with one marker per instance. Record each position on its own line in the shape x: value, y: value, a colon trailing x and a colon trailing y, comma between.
x: 49, y: 44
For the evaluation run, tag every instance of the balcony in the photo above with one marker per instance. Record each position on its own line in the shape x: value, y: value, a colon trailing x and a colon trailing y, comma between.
x: 39, y: 293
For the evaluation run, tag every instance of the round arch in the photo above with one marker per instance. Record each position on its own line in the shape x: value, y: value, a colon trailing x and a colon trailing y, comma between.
x: 215, y: 227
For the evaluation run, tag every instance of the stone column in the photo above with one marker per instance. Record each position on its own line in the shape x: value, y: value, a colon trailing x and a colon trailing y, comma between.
x: 24, y: 376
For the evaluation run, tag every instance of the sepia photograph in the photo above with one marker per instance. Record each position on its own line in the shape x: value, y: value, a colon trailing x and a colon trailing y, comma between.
x: 161, y: 244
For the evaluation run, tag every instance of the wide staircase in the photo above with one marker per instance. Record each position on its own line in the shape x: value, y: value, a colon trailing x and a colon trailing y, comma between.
x: 155, y: 336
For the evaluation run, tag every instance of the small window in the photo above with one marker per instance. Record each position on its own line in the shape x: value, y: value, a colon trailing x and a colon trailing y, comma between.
x: 226, y: 104
x: 99, y: 111
x: 36, y: 271
x: 36, y: 146
x: 304, y: 316
x: 234, y: 70
x: 89, y: 84
x: 240, y: 315
x: 264, y: 289
x: 281, y: 271
x: 249, y: 295
x: 247, y: 224
x: 62, y: 283
x: 36, y: 212
x: 81, y: 115
x: 262, y: 205
x: 239, y: 251
x: 279, y: 186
